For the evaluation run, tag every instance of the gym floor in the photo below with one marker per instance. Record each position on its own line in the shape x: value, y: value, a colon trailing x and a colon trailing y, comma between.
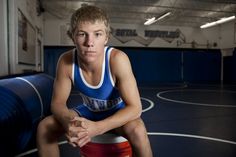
x: 182, y: 121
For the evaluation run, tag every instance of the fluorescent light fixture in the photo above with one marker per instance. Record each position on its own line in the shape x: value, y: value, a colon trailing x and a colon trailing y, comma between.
x: 163, y: 16
x: 154, y: 19
x: 222, y: 20
x: 150, y: 21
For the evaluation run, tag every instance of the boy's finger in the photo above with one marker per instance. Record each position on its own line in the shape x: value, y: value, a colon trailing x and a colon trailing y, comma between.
x: 83, y: 141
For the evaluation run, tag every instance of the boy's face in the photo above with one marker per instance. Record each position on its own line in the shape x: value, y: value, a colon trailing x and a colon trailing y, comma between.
x: 90, y: 39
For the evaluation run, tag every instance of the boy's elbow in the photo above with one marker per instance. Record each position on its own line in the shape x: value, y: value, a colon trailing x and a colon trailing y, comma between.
x: 139, y: 112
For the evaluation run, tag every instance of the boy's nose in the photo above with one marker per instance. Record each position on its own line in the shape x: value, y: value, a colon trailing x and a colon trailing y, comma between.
x: 90, y: 41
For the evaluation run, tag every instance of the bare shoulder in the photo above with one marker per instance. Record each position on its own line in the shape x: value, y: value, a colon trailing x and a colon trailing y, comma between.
x: 64, y: 65
x: 118, y: 56
x: 66, y: 57
x: 119, y: 63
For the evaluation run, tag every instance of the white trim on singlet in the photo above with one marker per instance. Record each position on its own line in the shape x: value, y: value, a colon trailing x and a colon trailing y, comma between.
x: 109, y: 67
x: 73, y: 66
x: 102, y: 75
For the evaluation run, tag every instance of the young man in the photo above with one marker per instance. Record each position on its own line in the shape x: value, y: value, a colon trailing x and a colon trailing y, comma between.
x: 104, y: 78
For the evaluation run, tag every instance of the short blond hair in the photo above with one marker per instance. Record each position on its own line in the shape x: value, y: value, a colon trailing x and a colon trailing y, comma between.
x: 91, y: 14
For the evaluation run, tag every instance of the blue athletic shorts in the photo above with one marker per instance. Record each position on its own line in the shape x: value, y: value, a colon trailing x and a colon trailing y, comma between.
x: 83, y: 111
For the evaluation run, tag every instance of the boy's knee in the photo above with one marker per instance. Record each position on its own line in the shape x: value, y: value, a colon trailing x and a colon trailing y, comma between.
x: 42, y: 127
x: 136, y: 130
x: 46, y: 126
x: 139, y: 131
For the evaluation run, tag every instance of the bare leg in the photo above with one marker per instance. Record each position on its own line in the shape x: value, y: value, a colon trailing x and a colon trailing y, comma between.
x: 49, y: 130
x: 136, y: 133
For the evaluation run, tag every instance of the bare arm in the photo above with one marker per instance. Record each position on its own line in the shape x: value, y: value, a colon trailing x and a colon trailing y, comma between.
x: 61, y: 90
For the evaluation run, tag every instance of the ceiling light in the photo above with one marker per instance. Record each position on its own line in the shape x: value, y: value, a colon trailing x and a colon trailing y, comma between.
x: 222, y: 20
x: 163, y: 16
x: 150, y: 21
x: 154, y: 19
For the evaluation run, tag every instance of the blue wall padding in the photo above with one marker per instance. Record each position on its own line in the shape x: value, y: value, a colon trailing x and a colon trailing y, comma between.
x: 24, y: 102
x: 230, y: 68
x: 152, y: 66
x: 202, y: 66
x: 51, y: 56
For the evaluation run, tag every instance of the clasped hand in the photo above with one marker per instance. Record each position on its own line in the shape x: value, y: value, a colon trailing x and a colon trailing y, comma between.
x: 77, y: 133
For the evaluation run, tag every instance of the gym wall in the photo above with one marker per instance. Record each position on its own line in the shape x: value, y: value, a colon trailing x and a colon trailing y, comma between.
x: 152, y: 66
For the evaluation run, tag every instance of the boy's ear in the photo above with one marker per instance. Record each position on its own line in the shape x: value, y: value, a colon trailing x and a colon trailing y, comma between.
x: 70, y: 35
x: 107, y: 38
x: 73, y: 39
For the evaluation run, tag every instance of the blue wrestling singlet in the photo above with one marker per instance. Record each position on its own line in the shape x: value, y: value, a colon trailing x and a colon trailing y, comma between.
x: 99, y: 101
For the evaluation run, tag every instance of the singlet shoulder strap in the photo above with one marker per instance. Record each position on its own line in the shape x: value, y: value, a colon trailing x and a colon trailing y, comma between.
x: 108, y: 68
x: 74, y: 63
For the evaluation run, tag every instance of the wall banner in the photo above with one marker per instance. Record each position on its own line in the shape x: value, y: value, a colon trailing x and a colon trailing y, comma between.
x: 126, y: 35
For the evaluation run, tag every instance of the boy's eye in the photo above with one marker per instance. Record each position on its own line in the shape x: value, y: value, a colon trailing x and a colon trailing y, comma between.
x: 80, y: 34
x: 98, y: 34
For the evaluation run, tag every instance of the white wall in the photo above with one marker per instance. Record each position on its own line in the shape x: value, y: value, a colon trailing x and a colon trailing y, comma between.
x: 28, y: 8
x: 222, y: 35
x: 52, y: 31
x: 3, y: 38
x: 228, y: 35
x: 190, y: 35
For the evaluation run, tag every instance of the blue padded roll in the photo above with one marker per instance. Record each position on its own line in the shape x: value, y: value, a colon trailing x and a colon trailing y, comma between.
x: 24, y: 101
